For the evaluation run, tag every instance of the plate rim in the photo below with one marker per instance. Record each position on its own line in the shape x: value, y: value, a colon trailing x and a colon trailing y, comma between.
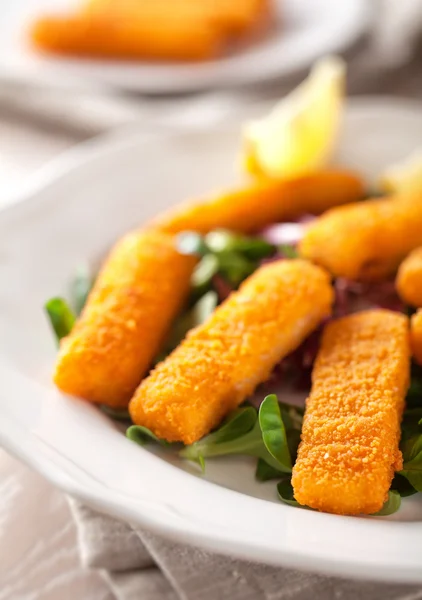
x: 112, y: 504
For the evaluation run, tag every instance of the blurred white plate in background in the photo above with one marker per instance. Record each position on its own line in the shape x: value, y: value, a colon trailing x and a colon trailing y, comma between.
x: 305, y: 31
x: 72, y: 212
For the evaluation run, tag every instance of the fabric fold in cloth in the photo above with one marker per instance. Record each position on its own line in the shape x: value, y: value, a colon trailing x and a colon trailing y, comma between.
x: 115, y: 547
x: 141, y: 565
x: 148, y: 584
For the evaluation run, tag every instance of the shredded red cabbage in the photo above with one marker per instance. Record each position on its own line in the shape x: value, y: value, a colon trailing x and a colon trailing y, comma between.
x: 222, y: 287
x: 352, y: 296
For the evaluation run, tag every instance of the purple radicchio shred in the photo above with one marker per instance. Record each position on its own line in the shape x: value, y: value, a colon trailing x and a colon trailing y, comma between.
x: 306, y: 218
x: 222, y: 287
x: 352, y: 296
x: 273, y: 258
x: 291, y: 377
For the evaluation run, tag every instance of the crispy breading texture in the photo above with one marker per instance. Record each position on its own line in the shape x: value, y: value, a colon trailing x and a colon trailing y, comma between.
x: 366, y: 240
x: 221, y: 362
x: 263, y: 202
x: 416, y: 336
x: 140, y: 289
x: 351, y: 430
x: 409, y: 278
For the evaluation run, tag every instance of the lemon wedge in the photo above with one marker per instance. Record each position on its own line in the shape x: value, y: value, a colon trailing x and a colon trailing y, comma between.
x: 297, y: 137
x: 405, y: 175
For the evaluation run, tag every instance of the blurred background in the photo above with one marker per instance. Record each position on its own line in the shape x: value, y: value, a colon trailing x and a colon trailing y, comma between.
x: 71, y: 70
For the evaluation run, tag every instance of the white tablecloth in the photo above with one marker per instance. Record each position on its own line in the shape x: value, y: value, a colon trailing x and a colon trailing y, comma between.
x: 38, y: 551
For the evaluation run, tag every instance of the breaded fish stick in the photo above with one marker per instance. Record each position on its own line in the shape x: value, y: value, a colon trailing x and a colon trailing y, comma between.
x: 238, y: 16
x: 416, y: 336
x: 366, y: 240
x: 230, y: 17
x: 409, y: 278
x: 351, y: 430
x: 221, y: 362
x: 139, y: 291
x: 263, y: 202
x: 102, y: 37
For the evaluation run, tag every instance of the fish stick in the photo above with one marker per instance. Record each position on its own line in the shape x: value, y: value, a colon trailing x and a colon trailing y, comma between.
x: 366, y: 240
x: 351, y: 430
x: 409, y: 279
x: 101, y: 37
x: 220, y: 363
x: 416, y: 336
x: 263, y: 202
x: 140, y: 289
x: 233, y: 17
x: 240, y: 15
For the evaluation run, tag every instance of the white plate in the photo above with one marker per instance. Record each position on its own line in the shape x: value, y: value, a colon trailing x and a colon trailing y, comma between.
x: 307, y: 29
x: 74, y: 211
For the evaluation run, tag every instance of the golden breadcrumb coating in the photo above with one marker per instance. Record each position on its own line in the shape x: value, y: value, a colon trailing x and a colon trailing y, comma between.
x: 409, y: 278
x: 263, y: 202
x: 139, y: 291
x: 416, y: 336
x: 221, y: 362
x: 365, y: 240
x: 351, y: 430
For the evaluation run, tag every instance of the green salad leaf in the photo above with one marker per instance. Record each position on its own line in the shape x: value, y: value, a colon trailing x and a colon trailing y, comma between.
x: 391, y: 506
x: 410, y: 425
x: 402, y: 486
x: 203, y: 273
x: 274, y: 432
x: 288, y: 251
x: 292, y: 415
x: 286, y: 494
x: 234, y: 267
x: 81, y: 287
x: 414, y: 393
x: 232, y: 255
x: 204, y: 308
x: 243, y: 433
x: 224, y: 241
x: 239, y: 423
x: 264, y: 472
x: 197, y: 315
x: 411, y: 447
x: 118, y: 414
x: 412, y: 469
x: 142, y: 435
x: 191, y: 243
x: 61, y: 316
